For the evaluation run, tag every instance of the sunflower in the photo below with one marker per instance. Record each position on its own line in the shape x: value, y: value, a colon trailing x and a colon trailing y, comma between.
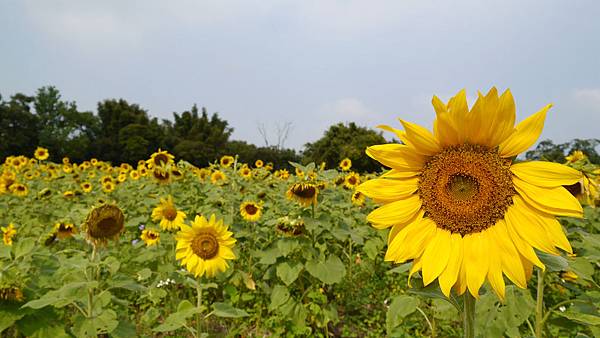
x: 19, y: 189
x: 66, y: 160
x: 134, y: 175
x: 176, y: 173
x: 250, y: 211
x: 86, y: 186
x: 576, y: 156
x: 218, y: 177
x: 205, y: 246
x: 351, y: 180
x: 41, y: 153
x: 160, y: 159
x: 104, y: 223
x: 64, y: 230
x: 170, y: 218
x: 345, y: 164
x: 11, y: 293
x: 259, y: 163
x: 150, y: 237
x: 304, y: 193
x: 203, y: 173
x: 358, y: 199
x: 283, y: 174
x: 458, y: 204
x: 8, y: 232
x: 122, y: 178
x: 245, y: 172
x: 227, y: 161
x: 69, y: 194
x: 108, y: 186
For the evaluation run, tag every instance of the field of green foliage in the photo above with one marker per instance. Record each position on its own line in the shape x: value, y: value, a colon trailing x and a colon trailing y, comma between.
x: 307, y: 264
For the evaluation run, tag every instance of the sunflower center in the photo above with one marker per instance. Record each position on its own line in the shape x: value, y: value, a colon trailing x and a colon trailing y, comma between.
x: 170, y: 213
x: 105, y: 228
x: 352, y: 180
x: 205, y: 245
x: 466, y: 189
x: 161, y: 159
x: 251, y: 209
x: 304, y: 191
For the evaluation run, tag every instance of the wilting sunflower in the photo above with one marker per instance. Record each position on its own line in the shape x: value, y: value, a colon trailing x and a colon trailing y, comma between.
x: 218, y: 177
x: 150, y: 237
x: 352, y: 180
x: 358, y: 198
x: 304, y: 193
x: 64, y: 230
x: 161, y: 176
x: 205, y: 246
x: 86, y: 186
x: 104, y: 223
x: 170, y: 218
x: 19, y: 189
x: 460, y: 207
x: 250, y: 211
x: 160, y: 159
x: 227, y: 161
x: 345, y: 164
x: 259, y: 163
x: 8, y: 232
x: 41, y: 153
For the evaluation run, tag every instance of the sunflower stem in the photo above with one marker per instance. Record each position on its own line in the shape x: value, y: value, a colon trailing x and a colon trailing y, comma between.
x: 93, y: 276
x: 199, y: 305
x: 539, y: 305
x: 469, y: 315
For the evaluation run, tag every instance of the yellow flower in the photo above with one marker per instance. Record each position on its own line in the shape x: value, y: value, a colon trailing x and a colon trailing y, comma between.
x: 160, y: 159
x: 345, y: 164
x: 161, y: 176
x: 250, y: 211
x: 122, y: 178
x: 569, y: 276
x: 258, y: 163
x: 150, y: 237
x: 68, y: 194
x: 108, y: 186
x: 458, y: 205
x: 86, y: 186
x: 358, y: 199
x: 575, y: 156
x: 283, y: 174
x: 64, y: 230
x: 352, y: 180
x: 134, y: 174
x: 218, y: 177
x: 41, y: 153
x: 8, y: 233
x: 304, y: 193
x: 65, y: 160
x: 227, y: 161
x: 245, y: 172
x: 205, y: 246
x: 19, y: 189
x: 170, y: 218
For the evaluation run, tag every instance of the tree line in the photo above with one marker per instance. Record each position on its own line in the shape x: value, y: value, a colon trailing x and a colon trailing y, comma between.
x: 123, y: 132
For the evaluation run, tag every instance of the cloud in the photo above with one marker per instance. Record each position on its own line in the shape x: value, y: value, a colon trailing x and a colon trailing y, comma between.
x: 587, y: 97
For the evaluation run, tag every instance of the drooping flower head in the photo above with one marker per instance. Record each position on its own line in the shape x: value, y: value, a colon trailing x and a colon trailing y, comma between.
x: 460, y: 207
x: 205, y: 246
x: 304, y: 193
x: 160, y: 160
x: 104, y: 223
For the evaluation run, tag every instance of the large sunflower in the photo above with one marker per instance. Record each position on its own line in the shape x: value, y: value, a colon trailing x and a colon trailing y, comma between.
x: 459, y: 206
x: 170, y: 218
x: 205, y: 246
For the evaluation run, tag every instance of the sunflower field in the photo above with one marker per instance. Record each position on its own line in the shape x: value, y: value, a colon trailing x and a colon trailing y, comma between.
x: 167, y: 249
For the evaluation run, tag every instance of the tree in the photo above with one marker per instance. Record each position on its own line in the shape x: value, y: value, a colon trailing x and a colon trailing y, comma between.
x: 341, y: 141
x: 18, y: 126
x: 548, y: 151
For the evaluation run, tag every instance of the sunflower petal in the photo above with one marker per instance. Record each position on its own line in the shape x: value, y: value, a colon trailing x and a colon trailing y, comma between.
x: 398, y: 227
x: 396, y: 156
x: 400, y: 133
x: 389, y: 190
x: 435, y: 256
x: 416, y: 266
x: 510, y: 258
x: 526, y: 223
x: 522, y: 246
x: 419, y: 236
x: 476, y: 260
x: 524, y: 135
x: 494, y: 275
x: 421, y: 139
x: 395, y: 213
x: 554, y: 201
x: 546, y: 174
x: 448, y: 277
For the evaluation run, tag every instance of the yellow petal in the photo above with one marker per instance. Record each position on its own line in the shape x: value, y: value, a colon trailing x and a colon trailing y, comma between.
x: 476, y: 260
x: 494, y: 275
x: 524, y: 135
x: 522, y: 246
x: 554, y: 201
x: 438, y: 105
x: 400, y: 133
x: 435, y: 256
x: 502, y: 120
x: 421, y: 139
x: 448, y: 277
x: 389, y: 190
x: 461, y: 280
x: 397, y: 156
x: 394, y: 173
x: 528, y: 225
x: 414, y: 243
x: 416, y: 266
x: 546, y: 174
x: 395, y: 213
x: 398, y: 227
x: 556, y: 232
x: 510, y: 258
x: 458, y: 109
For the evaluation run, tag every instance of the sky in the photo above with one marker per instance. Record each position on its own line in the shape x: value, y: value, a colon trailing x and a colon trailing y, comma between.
x: 309, y: 63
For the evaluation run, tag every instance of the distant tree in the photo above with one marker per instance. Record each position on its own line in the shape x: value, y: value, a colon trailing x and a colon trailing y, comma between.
x: 341, y: 141
x: 548, y: 151
x: 249, y: 153
x: 18, y: 126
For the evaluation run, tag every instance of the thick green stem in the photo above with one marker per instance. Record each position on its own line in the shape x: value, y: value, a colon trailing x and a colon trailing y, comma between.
x: 93, y: 274
x: 469, y: 315
x: 539, y: 306
x: 199, y: 305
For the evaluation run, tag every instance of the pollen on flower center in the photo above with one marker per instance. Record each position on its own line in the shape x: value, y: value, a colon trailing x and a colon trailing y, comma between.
x: 251, y: 209
x: 205, y: 245
x: 466, y: 189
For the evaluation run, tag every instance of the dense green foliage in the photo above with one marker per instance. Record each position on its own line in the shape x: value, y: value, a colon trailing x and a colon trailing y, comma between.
x: 548, y: 151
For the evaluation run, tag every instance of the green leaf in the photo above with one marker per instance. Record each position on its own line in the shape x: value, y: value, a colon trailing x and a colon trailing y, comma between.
x: 144, y: 274
x: 228, y: 311
x: 279, y: 296
x: 269, y: 256
x: 5, y: 251
x: 329, y: 272
x: 24, y: 247
x: 125, y: 329
x: 174, y: 321
x: 553, y: 262
x: 582, y: 318
x: 400, y: 307
x: 288, y: 274
x: 373, y: 247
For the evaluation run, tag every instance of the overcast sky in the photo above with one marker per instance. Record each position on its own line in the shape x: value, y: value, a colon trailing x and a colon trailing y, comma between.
x: 311, y: 63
